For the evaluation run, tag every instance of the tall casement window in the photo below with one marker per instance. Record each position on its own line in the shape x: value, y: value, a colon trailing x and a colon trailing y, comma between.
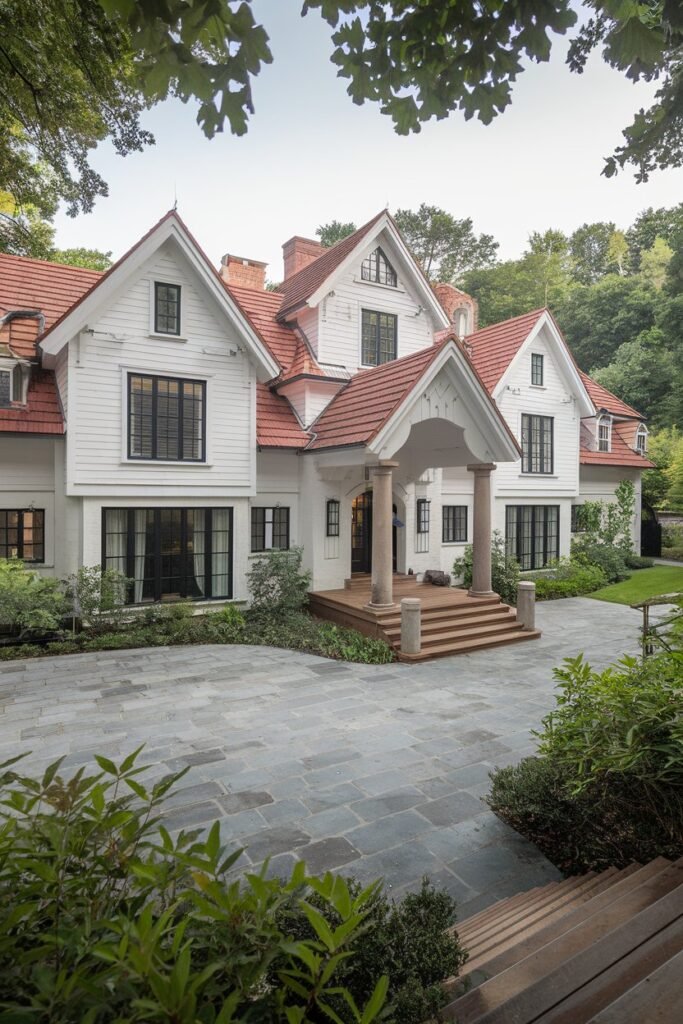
x: 532, y: 534
x: 170, y: 553
x: 379, y: 337
x: 537, y: 444
x: 166, y: 418
x: 454, y: 524
x: 605, y: 434
x: 641, y: 439
x: 269, y: 528
x: 332, y: 517
x: 377, y: 268
x: 22, y: 534
x: 166, y: 308
x: 537, y: 369
x: 422, y: 515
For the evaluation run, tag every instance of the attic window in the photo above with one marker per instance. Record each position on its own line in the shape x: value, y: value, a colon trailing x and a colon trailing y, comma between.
x: 605, y: 434
x: 537, y: 369
x: 641, y: 439
x: 11, y: 385
x: 5, y: 388
x: 377, y: 268
x: 166, y: 308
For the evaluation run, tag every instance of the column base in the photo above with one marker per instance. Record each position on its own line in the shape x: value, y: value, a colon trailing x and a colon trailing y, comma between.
x: 372, y: 607
x: 481, y: 593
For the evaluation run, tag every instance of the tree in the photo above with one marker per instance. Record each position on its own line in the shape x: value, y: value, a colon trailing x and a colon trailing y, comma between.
x: 664, y: 222
x: 91, y: 259
x: 589, y: 246
x: 617, y: 253
x: 444, y: 246
x: 640, y: 374
x: 26, y: 233
x: 662, y: 448
x: 547, y: 261
x: 654, y: 263
x: 333, y: 232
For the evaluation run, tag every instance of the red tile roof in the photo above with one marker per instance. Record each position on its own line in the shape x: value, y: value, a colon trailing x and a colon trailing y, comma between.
x: 261, y: 309
x: 622, y: 454
x: 52, y: 288
x: 361, y: 408
x: 493, y: 348
x: 604, y: 399
x: 42, y: 413
x: 299, y: 287
x: 276, y: 424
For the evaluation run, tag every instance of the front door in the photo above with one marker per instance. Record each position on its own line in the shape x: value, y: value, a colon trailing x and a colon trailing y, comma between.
x: 361, y: 533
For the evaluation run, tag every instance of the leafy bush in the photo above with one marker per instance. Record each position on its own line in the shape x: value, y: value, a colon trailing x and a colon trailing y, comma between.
x: 99, y: 597
x: 108, y: 918
x: 568, y: 579
x: 638, y: 562
x: 607, y: 787
x: 29, y: 601
x: 610, y: 559
x: 277, y: 583
x: 675, y: 554
x: 504, y: 571
x: 408, y: 942
x: 672, y: 535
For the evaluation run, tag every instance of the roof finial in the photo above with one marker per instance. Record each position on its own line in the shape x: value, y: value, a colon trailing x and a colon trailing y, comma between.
x: 175, y: 196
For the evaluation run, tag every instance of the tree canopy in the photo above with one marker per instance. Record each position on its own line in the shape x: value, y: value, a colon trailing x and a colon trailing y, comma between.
x: 76, y: 72
x: 333, y: 232
x: 444, y: 246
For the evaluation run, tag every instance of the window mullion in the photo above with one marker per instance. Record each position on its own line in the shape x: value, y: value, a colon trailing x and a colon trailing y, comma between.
x: 130, y: 549
x: 155, y: 382
x: 157, y: 554
x: 208, y: 551
x: 181, y: 420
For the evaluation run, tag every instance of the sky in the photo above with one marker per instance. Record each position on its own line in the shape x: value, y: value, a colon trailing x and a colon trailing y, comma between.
x: 311, y: 156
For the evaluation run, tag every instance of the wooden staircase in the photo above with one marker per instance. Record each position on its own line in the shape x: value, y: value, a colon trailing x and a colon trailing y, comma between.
x: 452, y: 621
x: 603, y: 948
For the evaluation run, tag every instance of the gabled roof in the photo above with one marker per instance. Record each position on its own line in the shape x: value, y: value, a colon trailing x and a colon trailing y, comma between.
x: 42, y: 413
x: 300, y: 286
x: 53, y: 288
x: 261, y: 308
x: 276, y: 424
x: 493, y: 348
x: 622, y: 454
x: 604, y: 399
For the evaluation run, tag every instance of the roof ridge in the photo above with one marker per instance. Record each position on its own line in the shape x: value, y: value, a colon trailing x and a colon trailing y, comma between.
x: 49, y: 263
x: 510, y: 320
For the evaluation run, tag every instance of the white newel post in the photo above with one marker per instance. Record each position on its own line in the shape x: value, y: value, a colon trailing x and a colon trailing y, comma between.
x: 411, y: 625
x: 526, y: 604
x: 481, y: 532
x: 382, y: 595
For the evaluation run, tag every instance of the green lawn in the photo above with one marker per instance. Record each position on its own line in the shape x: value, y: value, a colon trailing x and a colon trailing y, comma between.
x: 643, y: 584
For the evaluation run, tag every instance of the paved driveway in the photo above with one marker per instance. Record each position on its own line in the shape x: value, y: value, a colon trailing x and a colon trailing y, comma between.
x: 375, y: 770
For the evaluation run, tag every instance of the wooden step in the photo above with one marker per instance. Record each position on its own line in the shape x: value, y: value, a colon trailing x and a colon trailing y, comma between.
x: 602, y: 935
x: 473, y: 923
x: 468, y: 646
x: 658, y: 997
x: 435, y: 624
x: 450, y: 609
x: 456, y: 634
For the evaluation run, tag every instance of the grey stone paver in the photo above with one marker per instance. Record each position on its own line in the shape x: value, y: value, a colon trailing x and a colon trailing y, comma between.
x: 371, y: 770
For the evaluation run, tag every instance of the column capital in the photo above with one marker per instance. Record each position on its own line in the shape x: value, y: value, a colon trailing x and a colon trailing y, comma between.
x: 483, y: 468
x: 384, y: 467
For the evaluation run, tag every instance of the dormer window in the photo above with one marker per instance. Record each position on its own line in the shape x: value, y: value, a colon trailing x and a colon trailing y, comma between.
x: 537, y: 369
x: 377, y: 268
x: 641, y: 439
x: 11, y: 384
x: 605, y: 433
x: 166, y: 308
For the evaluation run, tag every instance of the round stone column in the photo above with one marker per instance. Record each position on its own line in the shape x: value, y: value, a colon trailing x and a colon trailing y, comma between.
x: 481, y: 531
x: 382, y: 591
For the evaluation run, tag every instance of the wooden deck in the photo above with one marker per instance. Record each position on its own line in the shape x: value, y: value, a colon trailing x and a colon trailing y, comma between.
x: 452, y: 621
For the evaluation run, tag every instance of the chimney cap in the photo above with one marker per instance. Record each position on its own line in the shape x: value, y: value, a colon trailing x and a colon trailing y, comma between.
x: 244, y: 260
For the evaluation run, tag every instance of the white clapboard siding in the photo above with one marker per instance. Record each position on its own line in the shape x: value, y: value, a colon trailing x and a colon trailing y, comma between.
x: 122, y: 342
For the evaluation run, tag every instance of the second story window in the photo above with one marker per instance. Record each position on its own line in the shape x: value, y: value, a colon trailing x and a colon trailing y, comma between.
x: 641, y: 439
x: 166, y: 308
x: 166, y: 418
x: 537, y: 369
x: 537, y: 444
x: 378, y: 337
x: 377, y: 268
x: 605, y: 434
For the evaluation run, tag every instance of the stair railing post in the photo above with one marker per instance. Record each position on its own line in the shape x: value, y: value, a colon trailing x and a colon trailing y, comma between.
x: 411, y: 625
x: 526, y: 604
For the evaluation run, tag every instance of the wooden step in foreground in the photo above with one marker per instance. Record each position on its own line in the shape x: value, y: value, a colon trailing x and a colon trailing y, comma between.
x: 452, y: 622
x: 600, y: 949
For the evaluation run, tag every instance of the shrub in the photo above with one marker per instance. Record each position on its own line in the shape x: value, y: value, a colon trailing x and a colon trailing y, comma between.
x: 590, y: 552
x: 29, y: 601
x: 638, y: 562
x: 504, y: 571
x: 569, y: 579
x: 672, y: 535
x: 99, y: 597
x: 277, y: 583
x: 675, y: 554
x: 338, y: 642
x: 107, y: 918
x: 608, y: 785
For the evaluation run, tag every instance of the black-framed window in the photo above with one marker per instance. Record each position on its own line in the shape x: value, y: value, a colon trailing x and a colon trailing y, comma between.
x: 5, y: 388
x: 166, y: 308
x: 532, y: 534
x: 423, y: 515
x: 170, y: 553
x: 376, y: 267
x: 166, y: 418
x: 537, y: 444
x: 537, y: 369
x: 379, y: 337
x: 269, y: 528
x: 332, y: 517
x: 454, y: 524
x: 22, y: 534
x: 604, y: 433
x: 577, y: 519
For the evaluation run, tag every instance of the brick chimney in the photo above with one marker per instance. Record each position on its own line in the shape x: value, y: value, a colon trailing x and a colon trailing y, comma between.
x: 461, y: 308
x: 298, y: 252
x: 243, y: 273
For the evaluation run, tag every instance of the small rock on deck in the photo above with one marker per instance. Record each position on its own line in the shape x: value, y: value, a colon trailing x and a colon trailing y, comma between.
x: 452, y: 621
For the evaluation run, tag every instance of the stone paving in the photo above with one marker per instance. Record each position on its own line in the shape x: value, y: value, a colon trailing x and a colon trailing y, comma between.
x: 376, y: 770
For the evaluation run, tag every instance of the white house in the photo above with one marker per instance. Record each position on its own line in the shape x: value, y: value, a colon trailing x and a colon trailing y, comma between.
x: 173, y: 421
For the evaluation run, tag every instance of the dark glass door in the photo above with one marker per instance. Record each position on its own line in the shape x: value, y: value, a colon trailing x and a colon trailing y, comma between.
x: 361, y: 534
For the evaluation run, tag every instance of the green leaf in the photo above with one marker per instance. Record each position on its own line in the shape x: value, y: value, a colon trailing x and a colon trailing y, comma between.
x: 319, y: 925
x: 376, y: 1000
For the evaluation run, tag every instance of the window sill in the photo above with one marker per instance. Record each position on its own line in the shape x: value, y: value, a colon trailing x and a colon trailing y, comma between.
x: 166, y: 462
x: 453, y: 543
x: 167, y: 337
x: 378, y: 284
x: 539, y: 387
x: 538, y: 476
